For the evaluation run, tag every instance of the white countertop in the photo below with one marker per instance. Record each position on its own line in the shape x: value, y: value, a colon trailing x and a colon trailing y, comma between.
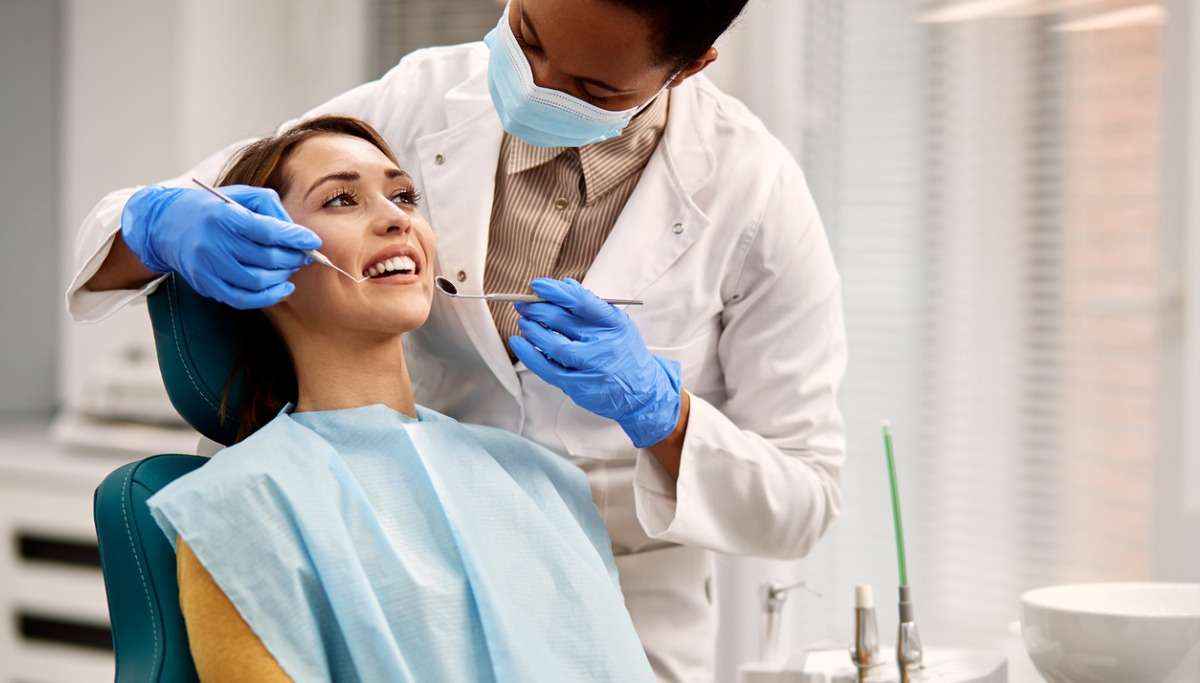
x: 38, y: 450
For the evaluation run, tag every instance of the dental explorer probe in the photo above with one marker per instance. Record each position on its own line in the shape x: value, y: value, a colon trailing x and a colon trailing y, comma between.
x: 316, y: 255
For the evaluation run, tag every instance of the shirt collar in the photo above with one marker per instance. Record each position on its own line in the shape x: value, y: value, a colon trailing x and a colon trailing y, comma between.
x: 606, y: 164
x: 523, y: 156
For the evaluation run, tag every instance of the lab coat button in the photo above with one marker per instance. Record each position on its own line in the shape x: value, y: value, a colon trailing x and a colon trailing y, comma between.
x: 560, y: 203
x: 439, y: 159
x: 677, y: 228
x: 461, y: 276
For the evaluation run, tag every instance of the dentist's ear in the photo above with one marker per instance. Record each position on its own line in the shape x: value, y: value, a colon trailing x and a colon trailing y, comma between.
x: 694, y: 67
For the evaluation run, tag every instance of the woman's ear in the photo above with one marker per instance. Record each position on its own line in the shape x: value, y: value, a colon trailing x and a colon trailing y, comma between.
x: 694, y: 67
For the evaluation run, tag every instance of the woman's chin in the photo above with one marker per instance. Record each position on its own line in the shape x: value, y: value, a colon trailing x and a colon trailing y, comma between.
x: 404, y: 318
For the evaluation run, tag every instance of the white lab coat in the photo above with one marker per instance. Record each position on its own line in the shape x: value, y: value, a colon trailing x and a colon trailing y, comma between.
x: 722, y: 241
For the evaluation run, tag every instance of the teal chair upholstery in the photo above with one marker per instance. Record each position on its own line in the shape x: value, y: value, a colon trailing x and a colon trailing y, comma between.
x: 194, y: 338
x: 149, y: 638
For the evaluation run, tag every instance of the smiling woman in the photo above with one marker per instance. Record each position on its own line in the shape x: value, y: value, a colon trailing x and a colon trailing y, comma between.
x: 350, y: 534
x: 337, y: 177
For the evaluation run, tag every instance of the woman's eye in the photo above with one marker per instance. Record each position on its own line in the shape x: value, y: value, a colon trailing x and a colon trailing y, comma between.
x: 340, y: 199
x: 407, y: 197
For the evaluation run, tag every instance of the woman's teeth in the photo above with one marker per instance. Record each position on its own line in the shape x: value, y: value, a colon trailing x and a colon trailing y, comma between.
x: 396, y: 264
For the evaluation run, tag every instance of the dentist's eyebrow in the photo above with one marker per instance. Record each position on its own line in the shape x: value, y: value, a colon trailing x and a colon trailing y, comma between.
x: 529, y: 24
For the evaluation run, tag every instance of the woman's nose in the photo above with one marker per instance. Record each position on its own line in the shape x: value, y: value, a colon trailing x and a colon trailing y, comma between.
x: 392, y: 218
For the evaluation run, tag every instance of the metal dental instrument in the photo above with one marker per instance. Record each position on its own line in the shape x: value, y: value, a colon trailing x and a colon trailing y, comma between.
x: 316, y: 255
x: 447, y: 287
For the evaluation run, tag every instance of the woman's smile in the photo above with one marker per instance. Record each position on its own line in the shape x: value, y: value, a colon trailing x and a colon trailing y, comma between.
x: 395, y: 266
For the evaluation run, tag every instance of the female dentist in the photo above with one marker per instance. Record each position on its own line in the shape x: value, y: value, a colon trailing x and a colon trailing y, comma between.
x: 579, y: 142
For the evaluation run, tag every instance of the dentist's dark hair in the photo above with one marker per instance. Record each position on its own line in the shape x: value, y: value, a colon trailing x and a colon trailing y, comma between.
x: 688, y: 27
x: 262, y: 358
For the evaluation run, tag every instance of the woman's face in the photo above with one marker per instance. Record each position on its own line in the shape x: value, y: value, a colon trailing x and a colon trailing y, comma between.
x: 597, y: 51
x: 364, y: 209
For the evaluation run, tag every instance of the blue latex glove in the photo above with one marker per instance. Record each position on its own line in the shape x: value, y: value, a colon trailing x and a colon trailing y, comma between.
x: 240, y: 254
x: 593, y: 351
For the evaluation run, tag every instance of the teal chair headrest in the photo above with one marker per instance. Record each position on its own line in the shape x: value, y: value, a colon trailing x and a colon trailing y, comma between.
x: 195, y: 339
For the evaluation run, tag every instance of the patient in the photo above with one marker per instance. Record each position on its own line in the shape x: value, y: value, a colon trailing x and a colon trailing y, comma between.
x: 350, y: 534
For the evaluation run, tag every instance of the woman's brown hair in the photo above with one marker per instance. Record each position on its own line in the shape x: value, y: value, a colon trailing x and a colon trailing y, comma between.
x: 262, y: 359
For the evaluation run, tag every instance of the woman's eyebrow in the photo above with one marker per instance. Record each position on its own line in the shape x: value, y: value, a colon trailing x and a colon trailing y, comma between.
x: 352, y: 176
x: 344, y: 176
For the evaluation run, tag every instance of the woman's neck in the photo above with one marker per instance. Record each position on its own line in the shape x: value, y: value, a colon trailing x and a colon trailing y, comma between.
x: 351, y: 372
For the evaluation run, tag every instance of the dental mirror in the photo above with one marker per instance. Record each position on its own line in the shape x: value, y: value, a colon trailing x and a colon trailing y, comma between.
x: 447, y: 287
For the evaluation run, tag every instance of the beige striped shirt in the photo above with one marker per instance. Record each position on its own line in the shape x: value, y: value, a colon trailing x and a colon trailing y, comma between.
x: 554, y: 207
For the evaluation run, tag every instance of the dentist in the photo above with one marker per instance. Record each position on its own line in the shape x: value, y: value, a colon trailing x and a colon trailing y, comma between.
x: 580, y: 143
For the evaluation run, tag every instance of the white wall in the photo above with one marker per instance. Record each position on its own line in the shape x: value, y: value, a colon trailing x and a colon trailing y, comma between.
x: 1179, y: 447
x: 1191, y: 231
x: 29, y: 76
x: 153, y: 86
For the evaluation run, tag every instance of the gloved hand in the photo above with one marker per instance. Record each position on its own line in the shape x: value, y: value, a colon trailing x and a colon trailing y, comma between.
x: 594, y: 353
x: 240, y: 254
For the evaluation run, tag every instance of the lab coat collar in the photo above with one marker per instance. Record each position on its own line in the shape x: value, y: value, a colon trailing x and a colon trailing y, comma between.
x: 661, y: 219
x: 688, y: 141
x: 468, y: 99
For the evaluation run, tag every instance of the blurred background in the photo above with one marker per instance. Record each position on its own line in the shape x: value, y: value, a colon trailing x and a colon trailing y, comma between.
x: 1011, y: 189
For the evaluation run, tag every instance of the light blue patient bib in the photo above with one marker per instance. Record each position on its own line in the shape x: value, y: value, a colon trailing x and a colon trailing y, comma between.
x: 363, y: 545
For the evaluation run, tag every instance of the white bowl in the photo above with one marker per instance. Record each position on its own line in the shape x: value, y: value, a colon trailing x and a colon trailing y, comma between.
x: 1114, y: 632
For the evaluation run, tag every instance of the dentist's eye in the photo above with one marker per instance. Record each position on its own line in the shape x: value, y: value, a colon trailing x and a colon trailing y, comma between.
x: 341, y: 198
x: 407, y: 197
x: 598, y: 100
x: 524, y: 44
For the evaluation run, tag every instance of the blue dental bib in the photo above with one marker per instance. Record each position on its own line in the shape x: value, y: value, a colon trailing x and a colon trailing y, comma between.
x: 364, y: 545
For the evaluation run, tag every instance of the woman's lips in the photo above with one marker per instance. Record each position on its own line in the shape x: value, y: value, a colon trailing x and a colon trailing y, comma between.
x: 396, y: 264
x: 396, y: 261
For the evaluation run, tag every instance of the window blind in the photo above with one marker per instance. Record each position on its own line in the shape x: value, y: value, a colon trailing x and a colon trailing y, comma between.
x: 993, y: 214
x: 401, y: 26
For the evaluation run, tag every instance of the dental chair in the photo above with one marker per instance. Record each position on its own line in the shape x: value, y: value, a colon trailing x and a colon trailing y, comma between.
x: 194, y: 337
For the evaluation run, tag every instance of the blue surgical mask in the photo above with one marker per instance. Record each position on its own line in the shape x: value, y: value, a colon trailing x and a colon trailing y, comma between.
x: 540, y: 116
